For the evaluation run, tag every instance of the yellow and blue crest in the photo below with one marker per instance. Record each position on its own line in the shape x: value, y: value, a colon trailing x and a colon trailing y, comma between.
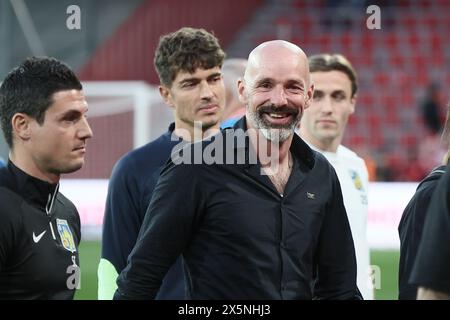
x: 356, y: 180
x: 66, y: 235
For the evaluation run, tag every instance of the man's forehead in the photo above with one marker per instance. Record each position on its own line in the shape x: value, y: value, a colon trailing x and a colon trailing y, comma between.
x: 68, y: 99
x: 280, y: 78
x: 68, y: 94
x: 182, y: 74
x: 279, y: 72
x: 291, y: 67
x: 330, y: 78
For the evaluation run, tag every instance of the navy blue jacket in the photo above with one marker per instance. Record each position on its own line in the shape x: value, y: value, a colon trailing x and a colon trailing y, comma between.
x: 130, y: 190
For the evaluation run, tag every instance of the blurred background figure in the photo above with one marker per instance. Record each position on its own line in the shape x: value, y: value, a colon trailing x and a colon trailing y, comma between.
x: 429, y: 152
x: 430, y: 109
x: 323, y: 126
x: 2, y: 162
x: 232, y: 70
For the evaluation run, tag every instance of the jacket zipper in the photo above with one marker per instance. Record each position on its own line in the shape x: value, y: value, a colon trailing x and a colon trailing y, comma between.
x: 48, y: 209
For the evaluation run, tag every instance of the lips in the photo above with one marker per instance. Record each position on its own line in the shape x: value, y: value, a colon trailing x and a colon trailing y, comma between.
x: 80, y: 148
x: 277, y: 116
x: 278, y: 119
x: 326, y: 122
x: 210, y: 108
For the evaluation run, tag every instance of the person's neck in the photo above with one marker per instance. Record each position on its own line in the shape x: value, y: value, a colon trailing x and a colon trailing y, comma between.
x: 234, y: 110
x: 325, y: 145
x: 25, y: 162
x: 191, y: 134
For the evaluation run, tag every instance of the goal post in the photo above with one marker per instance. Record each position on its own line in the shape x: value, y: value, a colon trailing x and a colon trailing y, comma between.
x: 142, y: 97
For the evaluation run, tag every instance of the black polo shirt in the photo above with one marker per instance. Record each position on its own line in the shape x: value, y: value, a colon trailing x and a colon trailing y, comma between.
x: 38, y: 250
x: 432, y: 266
x: 241, y: 239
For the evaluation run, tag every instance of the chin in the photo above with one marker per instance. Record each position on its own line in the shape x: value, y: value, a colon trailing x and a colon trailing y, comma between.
x: 208, y: 123
x: 73, y: 167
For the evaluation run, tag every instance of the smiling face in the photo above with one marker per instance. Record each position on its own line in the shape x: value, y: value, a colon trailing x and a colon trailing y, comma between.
x: 196, y: 97
x: 58, y: 145
x: 324, y: 123
x: 276, y: 89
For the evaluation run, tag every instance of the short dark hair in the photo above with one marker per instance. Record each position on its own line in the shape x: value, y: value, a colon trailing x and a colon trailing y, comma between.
x: 29, y: 89
x: 330, y: 62
x: 186, y: 50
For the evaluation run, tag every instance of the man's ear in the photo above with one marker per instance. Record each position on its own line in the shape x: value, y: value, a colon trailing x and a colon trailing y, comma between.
x: 309, y: 96
x: 21, y: 126
x: 241, y: 90
x: 165, y: 94
x: 353, y: 103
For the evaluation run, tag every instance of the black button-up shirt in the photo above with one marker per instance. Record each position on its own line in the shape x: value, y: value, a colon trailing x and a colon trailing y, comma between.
x: 241, y: 239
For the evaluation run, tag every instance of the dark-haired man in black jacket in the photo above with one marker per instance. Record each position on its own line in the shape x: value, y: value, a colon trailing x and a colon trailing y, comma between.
x: 43, y: 118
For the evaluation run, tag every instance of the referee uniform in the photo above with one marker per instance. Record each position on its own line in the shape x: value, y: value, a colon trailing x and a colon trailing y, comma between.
x: 39, y: 236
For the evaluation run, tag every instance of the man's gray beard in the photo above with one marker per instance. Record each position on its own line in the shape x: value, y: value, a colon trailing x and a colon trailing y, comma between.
x: 276, y: 135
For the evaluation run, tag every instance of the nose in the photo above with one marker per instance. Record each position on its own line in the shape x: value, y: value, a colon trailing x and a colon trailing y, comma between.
x: 279, y: 96
x: 206, y: 93
x: 326, y: 106
x: 85, y: 131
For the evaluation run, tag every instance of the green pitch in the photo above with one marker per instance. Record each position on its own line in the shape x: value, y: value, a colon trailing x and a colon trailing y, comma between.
x: 387, y: 261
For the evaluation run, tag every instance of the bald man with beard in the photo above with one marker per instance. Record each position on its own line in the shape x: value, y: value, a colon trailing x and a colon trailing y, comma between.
x: 271, y: 224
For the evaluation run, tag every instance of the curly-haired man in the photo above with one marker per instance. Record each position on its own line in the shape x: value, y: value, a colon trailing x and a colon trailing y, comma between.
x: 188, y: 63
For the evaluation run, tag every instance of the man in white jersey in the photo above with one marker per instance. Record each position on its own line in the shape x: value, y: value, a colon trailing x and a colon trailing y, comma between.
x: 322, y: 127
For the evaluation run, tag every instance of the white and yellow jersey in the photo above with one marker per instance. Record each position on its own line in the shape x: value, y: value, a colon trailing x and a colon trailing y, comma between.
x: 354, y: 179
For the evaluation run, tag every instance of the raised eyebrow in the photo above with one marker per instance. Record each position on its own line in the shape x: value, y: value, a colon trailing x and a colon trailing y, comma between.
x: 299, y: 82
x: 264, y: 80
x: 188, y: 80
x: 71, y: 113
x: 336, y: 92
x: 317, y: 91
x: 214, y: 75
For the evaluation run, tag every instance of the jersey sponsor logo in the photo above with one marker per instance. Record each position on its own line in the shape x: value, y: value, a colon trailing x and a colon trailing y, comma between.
x: 66, y: 235
x: 37, y: 238
x: 356, y: 180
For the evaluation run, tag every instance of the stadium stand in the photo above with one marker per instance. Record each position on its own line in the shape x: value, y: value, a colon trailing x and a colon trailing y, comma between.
x: 395, y: 64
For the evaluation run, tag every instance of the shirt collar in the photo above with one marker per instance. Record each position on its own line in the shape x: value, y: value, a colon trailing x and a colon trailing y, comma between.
x: 33, y: 190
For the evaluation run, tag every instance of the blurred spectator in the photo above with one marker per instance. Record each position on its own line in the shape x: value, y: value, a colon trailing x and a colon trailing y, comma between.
x: 429, y: 153
x: 370, y: 161
x: 430, y: 109
x: 2, y: 162
x: 323, y: 126
x: 232, y: 70
x: 371, y: 167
